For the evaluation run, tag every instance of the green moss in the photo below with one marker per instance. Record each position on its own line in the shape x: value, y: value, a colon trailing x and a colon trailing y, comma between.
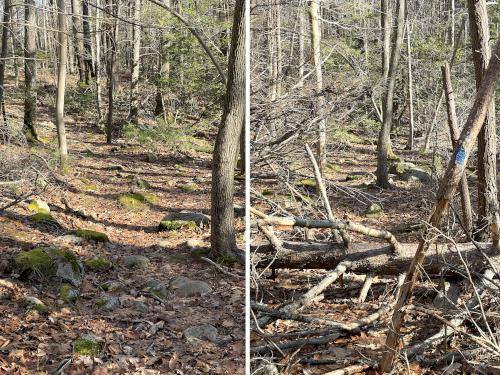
x: 39, y: 308
x: 189, y: 187
x: 200, y: 252
x: 177, y: 224
x: 85, y: 346
x: 67, y: 293
x: 91, y: 187
x: 92, y: 235
x: 42, y: 259
x: 181, y: 174
x: 307, y: 182
x: 38, y: 206
x: 267, y: 193
x: 136, y: 201
x: 98, y: 264
x: 354, y: 177
x: 43, y: 218
x: 139, y: 182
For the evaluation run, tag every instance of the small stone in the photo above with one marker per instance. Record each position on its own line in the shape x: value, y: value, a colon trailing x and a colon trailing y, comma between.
x: 417, y: 175
x: 400, y: 167
x: 37, y: 205
x: 116, y: 167
x: 98, y: 264
x: 164, y: 244
x: 70, y: 239
x: 185, y: 287
x: 68, y: 294
x: 156, y: 287
x: 374, y: 210
x: 193, y: 244
x: 189, y: 187
x: 354, y: 176
x: 151, y: 157
x: 92, y: 235
x: 111, y: 286
x: 198, y: 218
x: 135, y: 261
x: 140, y: 306
x: 201, y: 332
x: 108, y: 303
x: 34, y: 304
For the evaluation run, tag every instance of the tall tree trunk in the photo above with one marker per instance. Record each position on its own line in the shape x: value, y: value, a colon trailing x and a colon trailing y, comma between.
x: 112, y: 45
x: 163, y: 75
x: 321, y: 102
x: 279, y: 52
x: 62, y: 52
x: 222, y: 237
x: 87, y: 45
x: 134, y: 82
x: 97, y: 36
x: 486, y: 147
x: 30, y: 70
x: 302, y: 60
x: 78, y: 35
x: 384, y: 135
x: 411, y: 129
x: 3, y: 55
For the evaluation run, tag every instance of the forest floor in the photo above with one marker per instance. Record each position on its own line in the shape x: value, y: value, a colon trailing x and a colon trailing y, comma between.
x: 142, y: 326
x: 350, y: 178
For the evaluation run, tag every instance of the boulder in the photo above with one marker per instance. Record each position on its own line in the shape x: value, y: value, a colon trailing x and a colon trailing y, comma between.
x: 400, y: 167
x: 178, y: 220
x: 92, y: 235
x: 416, y: 174
x: 108, y: 303
x: 201, y: 332
x: 135, y: 261
x: 185, y: 287
x: 374, y: 210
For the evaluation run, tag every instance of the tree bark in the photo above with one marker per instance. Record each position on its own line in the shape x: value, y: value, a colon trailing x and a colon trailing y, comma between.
x: 3, y: 53
x: 223, y: 239
x: 112, y: 45
x: 320, y: 103
x: 134, y: 82
x: 62, y: 52
x: 30, y: 70
x: 454, y: 134
x: 97, y: 68
x: 78, y: 36
x: 87, y: 45
x: 486, y: 148
x: 445, y: 194
x: 384, y: 135
x: 411, y: 129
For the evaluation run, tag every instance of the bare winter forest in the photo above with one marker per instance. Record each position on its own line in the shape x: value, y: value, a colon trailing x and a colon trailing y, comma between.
x: 122, y: 187
x: 374, y: 200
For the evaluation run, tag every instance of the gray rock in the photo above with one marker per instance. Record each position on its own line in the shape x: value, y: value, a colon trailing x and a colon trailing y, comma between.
x: 116, y: 167
x: 37, y: 205
x: 136, y: 261
x: 108, y: 303
x: 164, y: 244
x: 185, y: 287
x: 199, y: 218
x: 111, y: 286
x: 201, y: 332
x: 70, y: 239
x: 151, y: 157
x: 400, y: 167
x: 416, y: 174
x: 156, y: 287
x: 193, y: 244
x: 67, y: 271
x: 374, y: 210
x: 140, y: 306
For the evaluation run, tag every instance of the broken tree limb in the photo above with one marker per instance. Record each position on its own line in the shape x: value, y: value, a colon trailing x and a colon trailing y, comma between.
x: 324, y: 198
x: 365, y: 288
x: 445, y: 194
x: 374, y: 258
x: 312, y: 293
x: 454, y: 133
x: 333, y: 224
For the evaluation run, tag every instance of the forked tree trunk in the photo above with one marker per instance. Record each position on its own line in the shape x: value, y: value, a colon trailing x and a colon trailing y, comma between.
x: 223, y: 238
x: 448, y: 186
x: 3, y: 53
x: 134, y: 82
x: 30, y: 70
x: 486, y: 147
x: 384, y: 135
x: 62, y: 52
x: 321, y: 102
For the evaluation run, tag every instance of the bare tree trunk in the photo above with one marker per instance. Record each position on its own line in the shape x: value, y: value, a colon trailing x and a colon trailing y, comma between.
x: 384, y: 135
x: 112, y: 44
x: 3, y: 55
x: 134, y: 82
x: 302, y: 30
x: 30, y: 70
x: 445, y: 194
x: 223, y: 238
x: 78, y: 35
x: 62, y: 50
x: 87, y: 45
x: 320, y: 103
x: 97, y: 36
x: 487, y: 209
x: 454, y: 133
x: 411, y: 129
x: 163, y: 74
x: 279, y: 53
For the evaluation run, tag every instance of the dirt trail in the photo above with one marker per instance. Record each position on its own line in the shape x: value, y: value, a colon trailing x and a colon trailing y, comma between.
x: 148, y: 339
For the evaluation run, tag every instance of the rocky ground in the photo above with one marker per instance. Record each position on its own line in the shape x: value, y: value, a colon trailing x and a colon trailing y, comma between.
x: 89, y: 285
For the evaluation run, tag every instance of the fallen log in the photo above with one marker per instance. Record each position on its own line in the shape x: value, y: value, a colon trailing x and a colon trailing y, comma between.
x: 377, y: 259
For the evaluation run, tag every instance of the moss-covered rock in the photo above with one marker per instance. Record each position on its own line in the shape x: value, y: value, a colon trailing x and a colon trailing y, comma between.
x: 92, y: 235
x: 139, y: 182
x: 37, y: 205
x: 136, y: 261
x: 108, y: 303
x: 34, y: 304
x: 50, y: 262
x: 374, y: 210
x: 307, y: 182
x: 136, y: 201
x: 176, y: 224
x: 87, y: 346
x: 189, y: 187
x: 111, y: 286
x: 400, y: 167
x: 156, y: 288
x: 44, y: 218
x: 68, y: 294
x: 98, y: 264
